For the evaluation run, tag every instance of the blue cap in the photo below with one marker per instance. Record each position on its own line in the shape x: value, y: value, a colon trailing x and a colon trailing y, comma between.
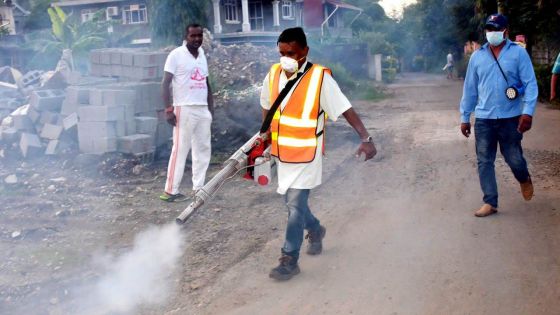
x: 497, y: 21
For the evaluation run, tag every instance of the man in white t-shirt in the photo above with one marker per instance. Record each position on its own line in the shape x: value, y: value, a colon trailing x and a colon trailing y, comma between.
x: 297, y: 139
x: 190, y: 111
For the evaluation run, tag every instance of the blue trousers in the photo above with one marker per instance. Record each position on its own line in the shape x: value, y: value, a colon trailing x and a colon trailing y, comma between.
x: 300, y: 218
x: 490, y: 133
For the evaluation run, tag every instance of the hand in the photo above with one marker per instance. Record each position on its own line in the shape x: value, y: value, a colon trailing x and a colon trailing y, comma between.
x: 525, y: 123
x: 368, y: 148
x: 170, y: 117
x: 466, y: 129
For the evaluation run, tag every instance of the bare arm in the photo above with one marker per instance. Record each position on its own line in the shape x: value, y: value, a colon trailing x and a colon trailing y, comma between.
x: 367, y: 147
x: 166, y: 95
x: 553, y: 82
x: 210, y: 98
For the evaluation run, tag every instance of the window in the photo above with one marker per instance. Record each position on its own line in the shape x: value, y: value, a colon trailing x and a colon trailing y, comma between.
x: 87, y: 15
x: 135, y: 14
x: 230, y: 7
x: 287, y: 9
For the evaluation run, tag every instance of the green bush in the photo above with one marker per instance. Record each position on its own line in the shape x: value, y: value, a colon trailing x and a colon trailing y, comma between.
x: 389, y: 75
x: 343, y: 77
x: 418, y: 63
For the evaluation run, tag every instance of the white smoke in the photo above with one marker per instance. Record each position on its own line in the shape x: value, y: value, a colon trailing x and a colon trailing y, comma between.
x: 141, y: 277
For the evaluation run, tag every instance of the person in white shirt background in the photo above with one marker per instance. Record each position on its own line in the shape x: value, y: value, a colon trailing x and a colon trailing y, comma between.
x: 190, y: 111
x: 296, y: 177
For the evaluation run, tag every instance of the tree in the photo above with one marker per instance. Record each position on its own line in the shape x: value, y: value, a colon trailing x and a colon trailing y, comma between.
x: 67, y: 32
x: 169, y: 18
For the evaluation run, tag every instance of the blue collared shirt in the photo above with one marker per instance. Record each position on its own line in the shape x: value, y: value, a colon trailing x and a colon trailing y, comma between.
x: 484, y: 87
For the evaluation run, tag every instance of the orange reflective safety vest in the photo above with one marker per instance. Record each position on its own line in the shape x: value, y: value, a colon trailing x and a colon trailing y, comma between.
x: 294, y: 129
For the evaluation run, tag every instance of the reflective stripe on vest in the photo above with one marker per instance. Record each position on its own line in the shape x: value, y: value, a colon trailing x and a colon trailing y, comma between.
x: 294, y: 128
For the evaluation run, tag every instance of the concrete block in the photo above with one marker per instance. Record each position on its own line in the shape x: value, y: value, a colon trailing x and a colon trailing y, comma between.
x: 68, y: 108
x: 77, y: 94
x: 48, y: 117
x: 99, y: 145
x: 121, y: 128
x: 101, y: 113
x: 22, y: 123
x: 116, y: 57
x: 47, y: 99
x: 51, y: 132
x: 151, y: 113
x: 145, y: 59
x: 146, y: 125
x: 127, y: 58
x: 147, y: 73
x: 70, y: 121
x: 30, y: 145
x: 105, y: 58
x: 33, y: 114
x: 96, y: 97
x: 106, y: 70
x: 95, y: 129
x: 129, y: 118
x: 135, y: 144
x: 164, y: 134
x: 30, y: 78
x: 9, y: 135
x: 9, y: 103
x: 118, y: 97
x: 116, y: 70
x: 53, y: 147
x: 95, y: 56
x: 96, y: 69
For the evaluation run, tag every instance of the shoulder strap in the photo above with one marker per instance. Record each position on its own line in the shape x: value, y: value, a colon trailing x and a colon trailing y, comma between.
x: 502, y: 71
x: 268, y: 119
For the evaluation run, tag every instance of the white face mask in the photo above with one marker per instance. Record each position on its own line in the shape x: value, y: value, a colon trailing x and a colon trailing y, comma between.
x: 289, y: 65
x: 495, y: 38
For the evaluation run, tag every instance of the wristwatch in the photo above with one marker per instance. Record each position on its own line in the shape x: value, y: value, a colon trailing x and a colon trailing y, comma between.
x: 369, y: 139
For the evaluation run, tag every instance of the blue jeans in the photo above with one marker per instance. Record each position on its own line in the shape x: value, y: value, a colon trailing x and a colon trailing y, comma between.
x: 489, y: 133
x: 299, y: 218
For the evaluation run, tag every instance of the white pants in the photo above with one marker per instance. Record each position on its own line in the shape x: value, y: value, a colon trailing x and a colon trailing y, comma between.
x: 192, y: 131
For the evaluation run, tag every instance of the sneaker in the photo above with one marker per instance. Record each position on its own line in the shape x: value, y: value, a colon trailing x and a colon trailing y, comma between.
x: 315, y: 245
x: 527, y: 189
x: 173, y: 198
x: 287, y: 268
x: 485, y: 211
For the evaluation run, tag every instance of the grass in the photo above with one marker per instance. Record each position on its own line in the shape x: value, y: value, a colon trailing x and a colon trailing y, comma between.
x: 366, y: 91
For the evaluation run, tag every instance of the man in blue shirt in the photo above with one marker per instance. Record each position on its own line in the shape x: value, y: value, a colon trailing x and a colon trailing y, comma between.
x: 499, y: 119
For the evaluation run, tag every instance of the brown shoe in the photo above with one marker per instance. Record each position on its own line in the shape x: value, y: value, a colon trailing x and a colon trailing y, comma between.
x: 527, y: 189
x: 485, y: 211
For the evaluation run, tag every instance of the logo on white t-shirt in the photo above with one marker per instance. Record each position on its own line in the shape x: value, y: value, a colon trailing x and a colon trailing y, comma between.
x: 196, y: 76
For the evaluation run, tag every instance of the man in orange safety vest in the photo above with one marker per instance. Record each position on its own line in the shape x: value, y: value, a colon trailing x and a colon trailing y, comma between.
x: 305, y: 95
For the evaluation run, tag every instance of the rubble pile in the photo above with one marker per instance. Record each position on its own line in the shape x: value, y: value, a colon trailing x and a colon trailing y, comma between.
x: 238, y: 67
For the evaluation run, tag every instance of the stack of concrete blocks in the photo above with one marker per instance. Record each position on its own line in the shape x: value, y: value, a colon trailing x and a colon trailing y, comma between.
x: 121, y: 117
x: 128, y: 64
x: 39, y: 124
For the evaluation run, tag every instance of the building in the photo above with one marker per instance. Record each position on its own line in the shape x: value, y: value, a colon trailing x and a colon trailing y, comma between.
x: 260, y: 21
x: 131, y: 16
x: 11, y: 16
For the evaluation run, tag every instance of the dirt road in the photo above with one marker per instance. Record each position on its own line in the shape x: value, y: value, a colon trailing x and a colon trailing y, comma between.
x: 401, y: 235
x: 402, y: 238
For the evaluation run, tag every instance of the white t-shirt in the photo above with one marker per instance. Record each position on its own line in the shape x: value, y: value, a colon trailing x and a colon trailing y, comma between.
x: 189, y: 76
x: 334, y: 103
